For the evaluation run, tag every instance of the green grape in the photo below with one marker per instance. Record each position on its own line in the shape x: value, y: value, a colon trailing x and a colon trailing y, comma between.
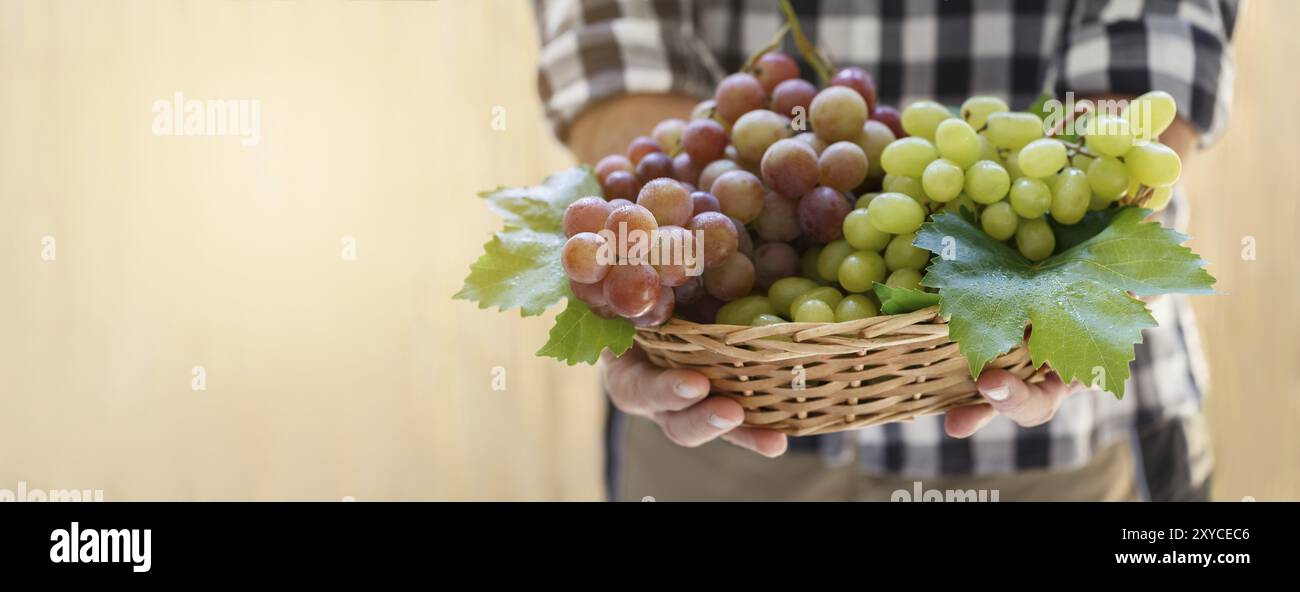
x: 1108, y: 178
x: 1097, y: 203
x: 976, y: 110
x: 1151, y: 114
x: 814, y: 311
x: 1081, y: 161
x: 1154, y: 165
x: 764, y: 320
x: 957, y: 141
x: 865, y: 199
x: 1042, y: 158
x: 909, y: 186
x: 1034, y: 239
x: 999, y: 221
x: 920, y: 119
x: 825, y: 294
x: 1031, y: 198
x: 1012, y: 164
x: 1108, y: 135
x: 1159, y: 198
x: 896, y: 213
x: 785, y: 290
x: 828, y: 263
x: 963, y: 200
x: 854, y: 307
x: 905, y: 278
x: 1134, y: 185
x: 1013, y: 130
x: 908, y: 156
x: 808, y: 264
x: 860, y: 233
x: 861, y: 269
x: 901, y: 254
x: 943, y: 179
x: 987, y: 182
x: 742, y: 311
x: 1071, y: 196
x: 987, y: 150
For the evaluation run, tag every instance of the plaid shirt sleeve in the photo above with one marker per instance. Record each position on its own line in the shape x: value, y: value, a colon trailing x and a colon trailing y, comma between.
x: 1180, y: 46
x: 597, y: 49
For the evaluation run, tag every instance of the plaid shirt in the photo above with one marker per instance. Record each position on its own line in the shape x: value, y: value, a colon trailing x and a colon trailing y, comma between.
x: 945, y: 50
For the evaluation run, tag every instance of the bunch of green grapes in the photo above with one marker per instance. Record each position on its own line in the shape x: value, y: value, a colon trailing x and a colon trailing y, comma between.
x: 1000, y: 165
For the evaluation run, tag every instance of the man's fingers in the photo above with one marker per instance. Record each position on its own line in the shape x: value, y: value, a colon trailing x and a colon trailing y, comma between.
x: 1026, y: 404
x: 768, y: 443
x: 701, y: 423
x: 964, y: 421
x: 638, y: 387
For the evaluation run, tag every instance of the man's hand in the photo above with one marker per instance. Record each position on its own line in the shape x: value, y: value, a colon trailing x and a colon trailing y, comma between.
x: 1026, y: 404
x: 678, y: 401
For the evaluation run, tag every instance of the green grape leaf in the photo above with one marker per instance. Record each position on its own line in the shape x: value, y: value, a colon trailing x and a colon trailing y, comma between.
x: 1085, y: 322
x: 902, y: 300
x: 519, y: 268
x: 579, y: 335
x: 541, y: 207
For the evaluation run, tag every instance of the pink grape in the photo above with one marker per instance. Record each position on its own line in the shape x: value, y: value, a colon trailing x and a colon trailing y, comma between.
x: 685, y: 170
x: 579, y: 258
x: 625, y: 222
x: 690, y: 291
x: 640, y: 146
x: 593, y: 295
x: 620, y: 185
x: 773, y: 261
x: 705, y: 140
x: 822, y: 213
x: 740, y: 193
x: 587, y: 214
x: 674, y: 251
x: 744, y: 243
x: 668, y: 134
x: 779, y: 220
x: 737, y: 95
x: 843, y: 166
x: 720, y: 237
x: 790, y: 167
x: 731, y: 280
x: 632, y: 290
x: 654, y: 166
x: 668, y: 200
x: 773, y: 68
x: 837, y: 113
x: 715, y: 170
x: 817, y: 144
x: 859, y: 80
x: 660, y: 312
x: 703, y: 201
x: 891, y: 117
x: 611, y: 163
x: 793, y: 93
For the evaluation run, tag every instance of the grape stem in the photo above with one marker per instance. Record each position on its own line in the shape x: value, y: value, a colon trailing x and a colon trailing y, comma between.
x: 772, y: 45
x: 819, y: 62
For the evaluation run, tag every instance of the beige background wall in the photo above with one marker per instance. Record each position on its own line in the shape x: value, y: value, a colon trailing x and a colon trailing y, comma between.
x: 329, y: 378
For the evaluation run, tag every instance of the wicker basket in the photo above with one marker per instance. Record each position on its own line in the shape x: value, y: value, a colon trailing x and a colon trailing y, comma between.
x: 855, y: 374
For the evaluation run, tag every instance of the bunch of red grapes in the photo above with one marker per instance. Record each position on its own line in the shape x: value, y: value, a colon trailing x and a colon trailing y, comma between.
x: 764, y: 174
